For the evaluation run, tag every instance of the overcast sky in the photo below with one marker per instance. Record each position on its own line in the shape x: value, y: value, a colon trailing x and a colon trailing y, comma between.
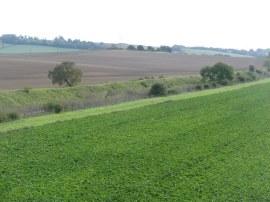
x: 241, y: 24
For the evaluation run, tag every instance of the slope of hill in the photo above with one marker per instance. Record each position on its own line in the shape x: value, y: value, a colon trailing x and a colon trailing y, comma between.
x: 204, y: 148
x: 30, y: 49
x: 191, y: 51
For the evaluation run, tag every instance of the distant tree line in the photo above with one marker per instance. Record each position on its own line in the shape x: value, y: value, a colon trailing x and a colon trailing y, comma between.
x: 56, y: 42
x: 61, y: 42
x: 150, y: 48
x: 256, y: 53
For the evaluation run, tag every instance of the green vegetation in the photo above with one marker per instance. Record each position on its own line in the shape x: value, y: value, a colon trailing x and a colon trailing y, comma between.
x: 53, y: 118
x: 10, y: 116
x: 29, y: 49
x: 90, y: 96
x: 205, y: 148
x: 158, y: 89
x: 65, y: 73
x: 219, y: 73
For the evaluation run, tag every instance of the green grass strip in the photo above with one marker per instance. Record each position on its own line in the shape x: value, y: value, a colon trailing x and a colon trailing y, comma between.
x: 53, y: 118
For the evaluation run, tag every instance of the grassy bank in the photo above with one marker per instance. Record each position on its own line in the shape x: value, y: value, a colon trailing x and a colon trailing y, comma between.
x: 202, y: 148
x: 32, y: 100
x: 52, y: 118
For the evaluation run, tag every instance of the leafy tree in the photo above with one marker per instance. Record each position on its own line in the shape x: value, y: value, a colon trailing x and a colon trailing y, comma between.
x: 65, y: 73
x: 207, y: 74
x: 140, y: 48
x: 131, y: 47
x: 218, y: 73
x: 222, y: 72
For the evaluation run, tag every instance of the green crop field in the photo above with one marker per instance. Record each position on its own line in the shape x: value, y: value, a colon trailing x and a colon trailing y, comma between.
x: 203, y: 148
x: 29, y: 49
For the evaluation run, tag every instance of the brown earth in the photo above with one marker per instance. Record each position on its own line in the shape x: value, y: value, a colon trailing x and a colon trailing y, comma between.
x: 21, y: 70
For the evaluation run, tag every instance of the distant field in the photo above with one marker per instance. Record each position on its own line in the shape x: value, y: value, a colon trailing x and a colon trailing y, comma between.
x: 28, y: 49
x: 208, y: 52
x: 29, y: 69
x: 205, y: 148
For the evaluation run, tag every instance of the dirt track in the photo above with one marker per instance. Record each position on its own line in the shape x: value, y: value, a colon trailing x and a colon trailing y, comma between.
x: 18, y: 71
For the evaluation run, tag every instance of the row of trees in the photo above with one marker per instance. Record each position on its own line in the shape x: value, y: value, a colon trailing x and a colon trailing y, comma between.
x: 57, y: 42
x: 150, y: 48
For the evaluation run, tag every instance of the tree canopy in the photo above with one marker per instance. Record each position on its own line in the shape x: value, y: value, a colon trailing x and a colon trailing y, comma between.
x: 218, y: 73
x: 65, y: 73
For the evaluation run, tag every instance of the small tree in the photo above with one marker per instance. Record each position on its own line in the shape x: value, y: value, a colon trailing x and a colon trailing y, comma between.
x: 222, y: 72
x: 65, y: 73
x: 158, y: 89
x: 218, y: 73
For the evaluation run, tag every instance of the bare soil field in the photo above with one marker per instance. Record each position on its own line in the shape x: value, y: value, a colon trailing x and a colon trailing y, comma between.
x: 21, y: 70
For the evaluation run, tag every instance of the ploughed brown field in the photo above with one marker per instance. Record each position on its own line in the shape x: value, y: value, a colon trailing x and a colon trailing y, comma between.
x: 21, y: 70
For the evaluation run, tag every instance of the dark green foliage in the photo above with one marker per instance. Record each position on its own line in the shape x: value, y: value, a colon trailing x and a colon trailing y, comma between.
x: 198, y: 87
x: 224, y: 82
x: 58, y: 108
x: 218, y: 73
x: 65, y: 73
x: 13, y: 116
x: 251, y: 68
x: 140, y: 48
x: 241, y: 78
x: 131, y: 47
x: 207, y: 74
x: 10, y: 116
x: 158, y: 89
x: 53, y: 107
x: 206, y: 86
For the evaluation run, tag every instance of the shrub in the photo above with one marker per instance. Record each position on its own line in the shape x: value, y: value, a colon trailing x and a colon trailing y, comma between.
x: 58, y: 108
x: 27, y: 89
x: 251, y: 68
x: 253, y: 76
x: 206, y: 86
x: 198, y: 87
x: 13, y: 116
x: 258, y: 71
x: 241, y: 78
x: 214, y: 84
x: 224, y: 83
x: 158, y: 89
x: 53, y: 107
